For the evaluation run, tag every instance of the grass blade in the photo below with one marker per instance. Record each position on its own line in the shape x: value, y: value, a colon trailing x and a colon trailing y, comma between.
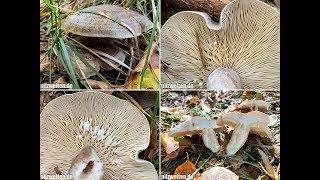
x: 82, y: 58
x: 151, y: 39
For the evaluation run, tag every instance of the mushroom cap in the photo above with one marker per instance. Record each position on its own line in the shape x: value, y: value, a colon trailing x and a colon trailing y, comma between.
x: 199, y: 125
x: 93, y: 25
x: 219, y: 173
x: 105, y: 46
x: 250, y: 105
x: 251, y: 117
x: 81, y: 68
x: 194, y: 126
x: 257, y: 121
x: 115, y: 128
x: 247, y: 41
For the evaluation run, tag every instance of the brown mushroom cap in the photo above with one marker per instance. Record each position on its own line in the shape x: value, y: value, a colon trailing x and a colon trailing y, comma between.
x: 246, y: 41
x: 93, y: 25
x: 114, y: 130
x: 218, y: 173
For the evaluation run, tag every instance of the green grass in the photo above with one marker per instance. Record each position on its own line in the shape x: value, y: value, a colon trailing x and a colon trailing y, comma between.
x: 156, y: 16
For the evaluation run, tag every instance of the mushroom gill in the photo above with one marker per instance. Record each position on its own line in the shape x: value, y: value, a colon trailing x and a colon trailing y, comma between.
x: 242, y: 51
x: 92, y: 135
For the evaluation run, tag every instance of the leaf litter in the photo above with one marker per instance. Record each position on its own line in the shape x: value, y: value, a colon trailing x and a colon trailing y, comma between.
x: 247, y: 163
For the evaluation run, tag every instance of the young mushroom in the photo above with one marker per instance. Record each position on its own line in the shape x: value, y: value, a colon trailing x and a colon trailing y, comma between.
x: 218, y: 173
x: 242, y: 51
x: 199, y: 125
x: 255, y: 122
x: 94, y: 136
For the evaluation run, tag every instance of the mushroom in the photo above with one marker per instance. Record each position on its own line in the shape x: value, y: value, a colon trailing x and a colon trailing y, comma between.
x: 255, y: 122
x: 104, y: 47
x: 81, y: 68
x: 250, y: 105
x: 218, y: 173
x: 199, y: 125
x: 240, y: 52
x: 105, y: 21
x: 87, y: 23
x: 93, y: 136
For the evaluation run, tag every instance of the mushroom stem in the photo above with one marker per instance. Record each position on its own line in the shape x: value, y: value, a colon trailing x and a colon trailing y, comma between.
x: 223, y: 79
x: 87, y: 165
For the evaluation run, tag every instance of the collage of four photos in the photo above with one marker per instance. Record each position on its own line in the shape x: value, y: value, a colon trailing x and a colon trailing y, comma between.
x: 160, y: 89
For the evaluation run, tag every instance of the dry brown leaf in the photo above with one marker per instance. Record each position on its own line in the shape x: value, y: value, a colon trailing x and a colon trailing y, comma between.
x: 268, y: 167
x: 148, y: 99
x: 97, y: 84
x: 44, y: 61
x: 173, y: 111
x: 152, y: 150
x: 152, y: 73
x: 193, y: 101
x: 169, y: 143
x: 174, y: 154
x: 61, y: 80
x: 186, y: 168
x: 154, y: 62
x: 183, y: 144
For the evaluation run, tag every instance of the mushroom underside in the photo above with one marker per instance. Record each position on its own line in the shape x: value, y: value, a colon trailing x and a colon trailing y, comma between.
x: 246, y: 42
x: 114, y: 129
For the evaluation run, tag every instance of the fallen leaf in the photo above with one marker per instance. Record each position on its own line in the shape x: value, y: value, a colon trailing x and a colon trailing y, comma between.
x: 193, y: 101
x: 183, y: 144
x: 97, y: 84
x: 154, y: 62
x: 150, y: 80
x: 268, y: 167
x: 205, y: 105
x: 169, y: 110
x: 174, y: 154
x: 61, y: 80
x: 186, y: 168
x: 152, y: 150
x: 183, y: 141
x: 169, y: 143
x: 147, y: 102
x: 173, y: 111
x: 252, y: 95
x: 44, y: 61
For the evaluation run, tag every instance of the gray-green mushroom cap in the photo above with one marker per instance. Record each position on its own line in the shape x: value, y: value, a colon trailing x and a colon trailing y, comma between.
x: 87, y: 23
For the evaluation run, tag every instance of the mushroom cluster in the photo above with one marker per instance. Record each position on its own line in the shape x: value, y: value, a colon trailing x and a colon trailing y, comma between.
x: 97, y: 27
x: 254, y: 121
x: 242, y: 51
x: 94, y: 136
